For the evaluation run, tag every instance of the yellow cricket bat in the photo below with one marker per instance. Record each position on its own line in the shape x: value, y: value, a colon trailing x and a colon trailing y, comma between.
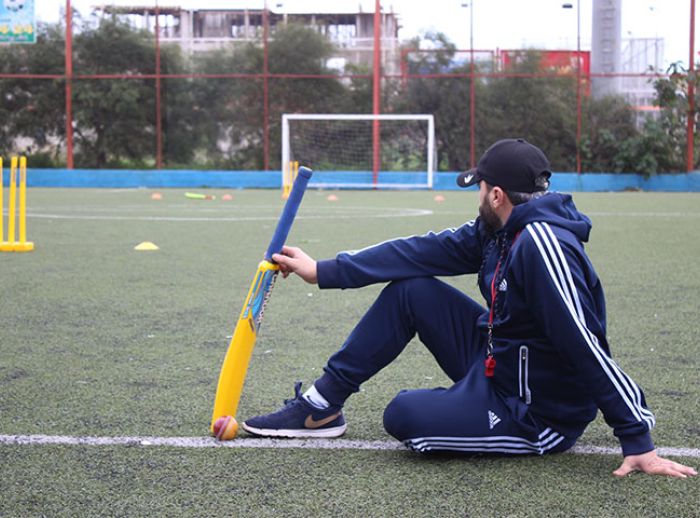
x: 235, y: 366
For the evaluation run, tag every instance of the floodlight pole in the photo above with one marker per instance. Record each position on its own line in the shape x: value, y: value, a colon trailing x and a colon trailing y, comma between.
x: 690, y: 162
x: 266, y: 85
x: 578, y: 86
x: 568, y: 5
x: 472, y: 101
x: 376, y: 92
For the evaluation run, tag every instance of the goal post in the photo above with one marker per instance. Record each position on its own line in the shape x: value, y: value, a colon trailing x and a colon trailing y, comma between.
x: 347, y: 151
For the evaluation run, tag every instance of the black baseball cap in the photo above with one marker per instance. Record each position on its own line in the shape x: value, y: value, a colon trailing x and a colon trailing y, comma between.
x: 512, y: 164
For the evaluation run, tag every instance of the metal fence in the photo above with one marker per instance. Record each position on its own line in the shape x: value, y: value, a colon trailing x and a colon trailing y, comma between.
x: 175, y: 107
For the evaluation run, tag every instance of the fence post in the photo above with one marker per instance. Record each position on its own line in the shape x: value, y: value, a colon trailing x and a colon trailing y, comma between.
x: 69, y: 85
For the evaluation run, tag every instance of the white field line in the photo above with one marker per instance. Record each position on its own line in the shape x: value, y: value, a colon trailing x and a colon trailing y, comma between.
x: 101, y: 214
x: 401, y: 213
x: 129, y: 209
x: 312, y: 444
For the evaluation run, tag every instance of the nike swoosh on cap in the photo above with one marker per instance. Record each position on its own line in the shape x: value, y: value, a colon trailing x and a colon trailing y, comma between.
x: 310, y: 422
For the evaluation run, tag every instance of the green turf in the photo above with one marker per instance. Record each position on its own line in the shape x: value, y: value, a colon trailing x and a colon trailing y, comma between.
x: 99, y: 339
x: 270, y: 483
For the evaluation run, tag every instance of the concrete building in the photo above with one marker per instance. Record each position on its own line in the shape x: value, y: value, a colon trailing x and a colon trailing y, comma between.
x: 198, y: 30
x: 641, y: 56
x: 620, y: 62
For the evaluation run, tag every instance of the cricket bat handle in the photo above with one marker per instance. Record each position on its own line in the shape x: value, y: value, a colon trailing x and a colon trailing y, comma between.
x: 288, y: 213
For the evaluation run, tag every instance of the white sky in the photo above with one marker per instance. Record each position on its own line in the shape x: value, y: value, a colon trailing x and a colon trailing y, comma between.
x: 498, y: 24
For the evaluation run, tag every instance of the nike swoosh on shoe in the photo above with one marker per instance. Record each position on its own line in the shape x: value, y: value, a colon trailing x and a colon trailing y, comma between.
x: 310, y: 422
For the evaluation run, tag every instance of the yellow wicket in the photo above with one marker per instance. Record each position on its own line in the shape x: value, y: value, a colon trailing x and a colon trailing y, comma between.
x: 291, y: 171
x: 12, y: 244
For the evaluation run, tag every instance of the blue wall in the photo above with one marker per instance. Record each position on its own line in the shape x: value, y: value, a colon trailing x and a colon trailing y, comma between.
x: 121, y: 178
x: 593, y: 182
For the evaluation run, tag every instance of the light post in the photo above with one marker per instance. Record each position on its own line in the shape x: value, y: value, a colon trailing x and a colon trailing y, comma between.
x: 690, y: 133
x: 472, y: 101
x: 266, y: 87
x: 578, y: 81
x: 652, y: 11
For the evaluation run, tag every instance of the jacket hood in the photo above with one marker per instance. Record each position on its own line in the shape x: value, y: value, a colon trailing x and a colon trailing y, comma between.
x: 554, y: 208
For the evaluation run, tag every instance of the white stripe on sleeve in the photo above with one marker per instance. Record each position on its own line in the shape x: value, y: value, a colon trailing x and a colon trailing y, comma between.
x: 627, y: 389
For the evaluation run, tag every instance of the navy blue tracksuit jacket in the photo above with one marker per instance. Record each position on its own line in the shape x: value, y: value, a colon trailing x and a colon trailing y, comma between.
x: 548, y: 297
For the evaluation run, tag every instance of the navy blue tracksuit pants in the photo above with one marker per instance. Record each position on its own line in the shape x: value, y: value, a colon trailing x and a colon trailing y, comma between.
x: 469, y: 416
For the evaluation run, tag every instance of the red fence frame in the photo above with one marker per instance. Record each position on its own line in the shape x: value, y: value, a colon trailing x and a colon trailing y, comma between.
x: 691, y: 92
x: 581, y: 73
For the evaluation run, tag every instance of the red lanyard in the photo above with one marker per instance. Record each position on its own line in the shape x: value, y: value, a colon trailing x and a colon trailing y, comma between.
x: 490, y: 362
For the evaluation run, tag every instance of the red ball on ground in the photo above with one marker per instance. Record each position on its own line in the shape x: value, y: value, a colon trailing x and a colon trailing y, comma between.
x: 225, y: 428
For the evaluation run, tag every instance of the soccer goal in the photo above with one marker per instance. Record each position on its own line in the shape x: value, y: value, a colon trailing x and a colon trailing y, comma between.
x: 361, y: 151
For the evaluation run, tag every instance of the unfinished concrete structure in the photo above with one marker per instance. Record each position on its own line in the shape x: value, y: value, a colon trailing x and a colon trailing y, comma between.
x: 206, y: 29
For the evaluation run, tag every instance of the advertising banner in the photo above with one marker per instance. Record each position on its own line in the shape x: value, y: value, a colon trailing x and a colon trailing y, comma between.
x: 17, y: 22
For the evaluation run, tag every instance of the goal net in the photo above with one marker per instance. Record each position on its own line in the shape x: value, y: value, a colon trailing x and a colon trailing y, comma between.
x: 361, y: 151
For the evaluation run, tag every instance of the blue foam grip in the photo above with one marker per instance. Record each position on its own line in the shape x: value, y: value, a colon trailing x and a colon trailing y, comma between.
x: 288, y: 213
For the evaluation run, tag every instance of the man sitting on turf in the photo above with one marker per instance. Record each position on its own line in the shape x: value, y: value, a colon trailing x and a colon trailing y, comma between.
x: 530, y: 371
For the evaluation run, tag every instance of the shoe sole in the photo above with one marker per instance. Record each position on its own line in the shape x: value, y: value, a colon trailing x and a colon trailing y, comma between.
x: 336, y: 431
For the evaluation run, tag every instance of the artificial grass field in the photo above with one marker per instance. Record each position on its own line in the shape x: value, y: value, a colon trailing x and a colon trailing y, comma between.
x: 97, y: 339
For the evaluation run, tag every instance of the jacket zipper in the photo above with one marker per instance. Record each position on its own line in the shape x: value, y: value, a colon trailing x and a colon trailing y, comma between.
x: 523, y: 369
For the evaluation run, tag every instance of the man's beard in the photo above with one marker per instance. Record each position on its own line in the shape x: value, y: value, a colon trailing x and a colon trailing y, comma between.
x: 490, y: 220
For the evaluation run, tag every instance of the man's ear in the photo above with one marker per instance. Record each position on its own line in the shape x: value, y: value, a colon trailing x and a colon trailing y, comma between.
x: 498, y: 196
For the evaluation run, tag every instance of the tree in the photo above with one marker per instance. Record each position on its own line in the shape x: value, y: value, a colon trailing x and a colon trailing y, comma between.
x: 115, y: 118
x: 218, y: 122
x: 228, y: 112
x: 233, y: 108
x: 610, y: 139
x: 668, y: 132
x: 541, y: 110
x: 32, y: 113
x: 182, y: 129
x: 446, y: 98
x: 296, y: 49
